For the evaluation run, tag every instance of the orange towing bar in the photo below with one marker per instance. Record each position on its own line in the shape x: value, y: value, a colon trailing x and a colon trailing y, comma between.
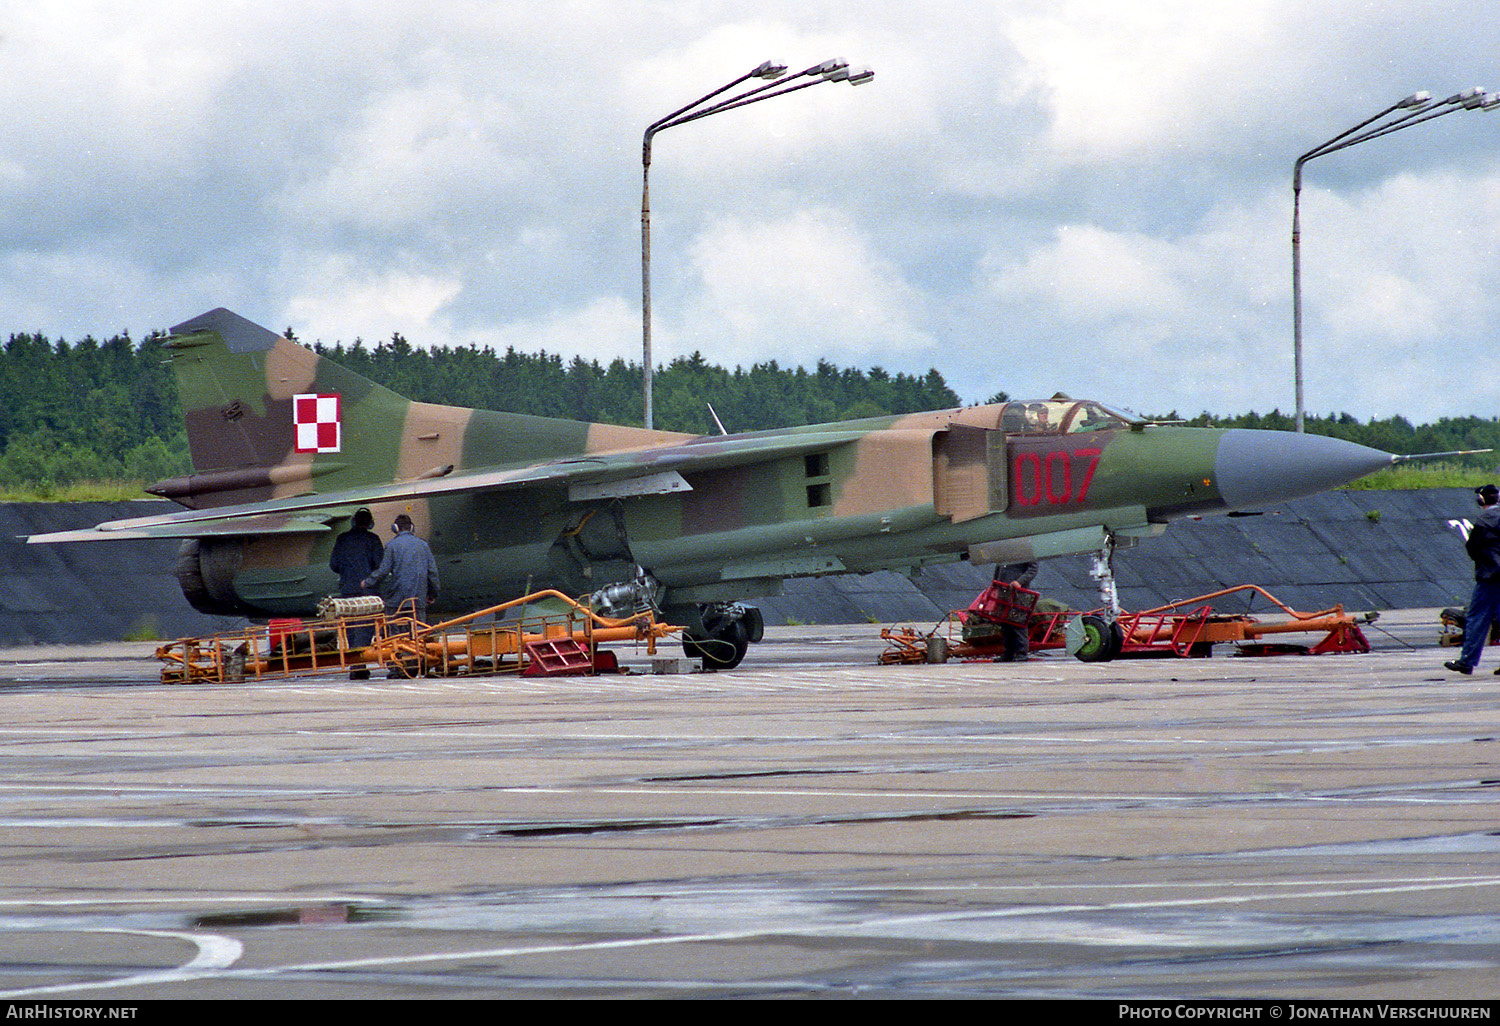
x: 1159, y: 628
x: 457, y: 646
x: 548, y: 643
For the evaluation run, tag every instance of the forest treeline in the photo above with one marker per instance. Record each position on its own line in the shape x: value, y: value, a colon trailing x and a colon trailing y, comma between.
x: 766, y: 395
x: 97, y: 411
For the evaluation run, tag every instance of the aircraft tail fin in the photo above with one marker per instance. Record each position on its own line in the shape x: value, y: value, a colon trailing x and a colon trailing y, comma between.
x: 266, y: 416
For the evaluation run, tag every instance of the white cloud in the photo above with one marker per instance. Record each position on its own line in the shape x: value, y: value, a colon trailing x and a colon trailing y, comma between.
x: 1091, y: 274
x: 1394, y: 277
x: 604, y: 328
x: 336, y: 300
x: 808, y: 283
x: 123, y: 76
x: 1129, y: 79
x: 413, y: 155
x: 1032, y: 194
x: 1408, y: 260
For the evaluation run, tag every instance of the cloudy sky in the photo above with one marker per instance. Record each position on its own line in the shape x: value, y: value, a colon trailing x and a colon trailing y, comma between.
x: 1032, y: 195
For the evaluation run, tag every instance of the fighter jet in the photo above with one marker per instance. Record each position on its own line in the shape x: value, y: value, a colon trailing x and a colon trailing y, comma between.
x: 286, y: 446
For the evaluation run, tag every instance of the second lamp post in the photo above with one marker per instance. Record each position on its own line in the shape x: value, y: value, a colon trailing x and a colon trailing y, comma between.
x: 1418, y: 107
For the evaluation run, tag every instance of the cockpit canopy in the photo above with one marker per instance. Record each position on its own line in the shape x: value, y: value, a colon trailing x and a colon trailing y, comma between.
x: 1061, y: 416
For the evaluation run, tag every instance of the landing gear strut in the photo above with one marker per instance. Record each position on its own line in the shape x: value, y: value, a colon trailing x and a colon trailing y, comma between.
x: 1102, y: 570
x: 1098, y: 638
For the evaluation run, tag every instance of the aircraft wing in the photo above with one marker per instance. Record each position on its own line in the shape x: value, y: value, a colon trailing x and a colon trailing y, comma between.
x: 603, y: 475
x: 165, y: 527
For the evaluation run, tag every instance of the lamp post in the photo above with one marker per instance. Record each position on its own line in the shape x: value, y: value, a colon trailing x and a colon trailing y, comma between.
x: 772, y: 72
x: 1417, y: 108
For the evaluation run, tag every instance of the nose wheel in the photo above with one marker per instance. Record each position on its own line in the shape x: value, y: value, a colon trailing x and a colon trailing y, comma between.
x: 1098, y: 638
x: 1093, y: 639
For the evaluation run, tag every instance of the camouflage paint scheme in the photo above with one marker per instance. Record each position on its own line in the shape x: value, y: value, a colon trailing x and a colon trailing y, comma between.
x: 513, y: 503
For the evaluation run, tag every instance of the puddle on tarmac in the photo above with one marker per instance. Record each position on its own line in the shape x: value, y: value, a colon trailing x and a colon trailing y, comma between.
x: 312, y: 915
x: 881, y: 938
x: 645, y: 909
x: 605, y: 826
x: 886, y: 915
x: 1446, y: 844
x: 745, y: 775
x: 507, y: 828
x: 600, y: 827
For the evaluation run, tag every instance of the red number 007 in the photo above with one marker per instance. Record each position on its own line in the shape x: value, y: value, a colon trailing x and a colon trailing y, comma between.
x: 1049, y: 478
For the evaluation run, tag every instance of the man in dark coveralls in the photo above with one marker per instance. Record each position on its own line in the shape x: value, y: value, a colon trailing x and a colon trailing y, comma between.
x: 1017, y: 639
x: 356, y: 554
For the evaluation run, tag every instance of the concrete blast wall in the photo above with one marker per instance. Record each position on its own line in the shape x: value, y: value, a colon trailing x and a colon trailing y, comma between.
x: 1366, y: 550
x: 93, y: 591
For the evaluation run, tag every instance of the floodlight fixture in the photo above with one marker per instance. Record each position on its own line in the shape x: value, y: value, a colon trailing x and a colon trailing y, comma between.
x: 1419, y: 108
x: 772, y: 72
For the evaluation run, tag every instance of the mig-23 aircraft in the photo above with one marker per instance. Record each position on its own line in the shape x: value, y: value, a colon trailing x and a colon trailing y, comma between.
x: 286, y: 446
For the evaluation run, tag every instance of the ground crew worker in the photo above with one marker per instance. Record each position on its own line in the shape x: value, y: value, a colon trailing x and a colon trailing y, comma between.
x: 1017, y: 639
x: 1483, y: 546
x: 412, y: 570
x: 356, y: 554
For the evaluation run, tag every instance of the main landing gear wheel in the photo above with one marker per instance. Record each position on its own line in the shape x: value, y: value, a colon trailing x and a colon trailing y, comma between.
x: 720, y: 649
x: 718, y: 633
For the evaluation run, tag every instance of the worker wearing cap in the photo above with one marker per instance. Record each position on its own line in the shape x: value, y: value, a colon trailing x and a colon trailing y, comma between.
x: 408, y: 562
x: 1483, y: 546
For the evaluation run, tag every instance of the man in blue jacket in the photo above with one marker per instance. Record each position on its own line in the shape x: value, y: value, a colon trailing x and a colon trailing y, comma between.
x: 412, y: 570
x: 1483, y: 546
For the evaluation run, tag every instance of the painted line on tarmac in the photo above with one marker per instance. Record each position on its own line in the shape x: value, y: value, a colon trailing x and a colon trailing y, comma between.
x: 214, y: 956
x: 761, y: 682
x: 285, y: 791
x: 278, y: 790
x: 550, y: 738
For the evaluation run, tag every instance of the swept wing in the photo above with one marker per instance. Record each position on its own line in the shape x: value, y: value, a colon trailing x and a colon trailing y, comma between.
x: 655, y: 470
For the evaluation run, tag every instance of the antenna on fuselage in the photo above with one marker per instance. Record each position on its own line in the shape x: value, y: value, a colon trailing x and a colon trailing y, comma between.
x: 715, y: 416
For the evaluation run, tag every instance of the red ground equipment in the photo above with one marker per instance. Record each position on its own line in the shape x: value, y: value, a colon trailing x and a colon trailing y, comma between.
x: 1187, y: 628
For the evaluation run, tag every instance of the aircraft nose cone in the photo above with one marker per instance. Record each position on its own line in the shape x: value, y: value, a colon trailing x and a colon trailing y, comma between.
x: 1255, y: 467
